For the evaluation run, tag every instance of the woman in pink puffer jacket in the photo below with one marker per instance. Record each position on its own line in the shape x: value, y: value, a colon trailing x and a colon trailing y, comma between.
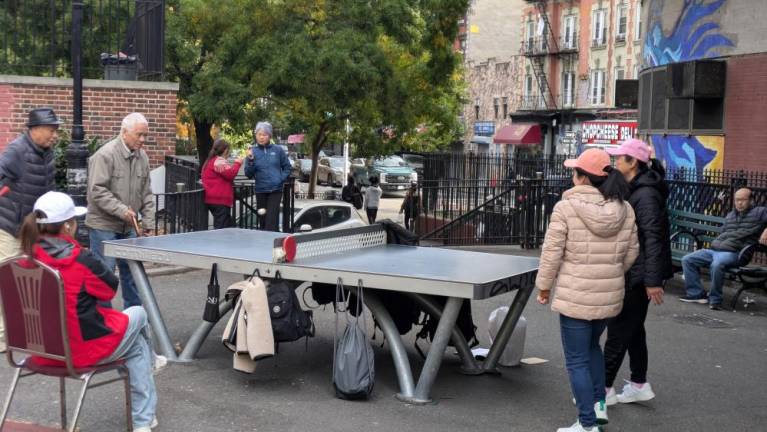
x: 590, y: 243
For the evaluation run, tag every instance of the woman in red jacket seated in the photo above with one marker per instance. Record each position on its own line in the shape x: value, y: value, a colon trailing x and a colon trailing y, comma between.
x: 218, y: 180
x: 97, y: 333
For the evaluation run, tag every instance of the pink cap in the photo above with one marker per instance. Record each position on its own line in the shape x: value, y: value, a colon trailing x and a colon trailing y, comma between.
x: 633, y: 147
x: 593, y: 161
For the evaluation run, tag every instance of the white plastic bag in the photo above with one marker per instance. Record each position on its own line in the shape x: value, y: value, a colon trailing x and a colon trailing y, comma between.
x: 515, y: 348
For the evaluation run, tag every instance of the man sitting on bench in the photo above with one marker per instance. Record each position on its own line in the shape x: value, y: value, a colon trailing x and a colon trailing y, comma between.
x: 742, y: 227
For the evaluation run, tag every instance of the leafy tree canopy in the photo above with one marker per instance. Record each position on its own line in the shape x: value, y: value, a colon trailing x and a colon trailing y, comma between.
x: 309, y: 65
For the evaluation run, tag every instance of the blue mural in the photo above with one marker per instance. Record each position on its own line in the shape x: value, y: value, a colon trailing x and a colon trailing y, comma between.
x: 694, y: 153
x: 695, y: 34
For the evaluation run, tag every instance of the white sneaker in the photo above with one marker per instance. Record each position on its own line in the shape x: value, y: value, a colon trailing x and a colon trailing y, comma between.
x: 610, y: 397
x: 576, y: 427
x: 633, y: 394
x: 600, y: 409
x: 159, y: 363
x: 147, y: 428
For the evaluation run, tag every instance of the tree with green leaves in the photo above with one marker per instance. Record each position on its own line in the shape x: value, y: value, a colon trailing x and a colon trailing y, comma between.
x: 386, y: 65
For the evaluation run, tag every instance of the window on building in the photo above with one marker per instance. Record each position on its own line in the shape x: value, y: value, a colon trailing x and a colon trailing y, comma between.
x: 496, y: 108
x: 505, y: 107
x: 528, y: 95
x: 619, y: 73
x: 568, y: 89
x: 530, y: 36
x: 570, y: 35
x: 598, y: 30
x: 621, y: 24
x: 636, y: 71
x: 476, y: 108
x: 638, y: 21
x: 597, y: 87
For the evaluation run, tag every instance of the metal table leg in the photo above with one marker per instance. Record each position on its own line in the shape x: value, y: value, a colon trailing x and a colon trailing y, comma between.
x: 201, y: 333
x: 149, y: 302
x: 398, y: 352
x: 507, y: 327
x: 470, y: 365
x: 437, y: 351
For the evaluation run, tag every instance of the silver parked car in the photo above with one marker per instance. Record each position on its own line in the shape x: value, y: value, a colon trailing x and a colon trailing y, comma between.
x: 318, y: 215
x: 325, y: 216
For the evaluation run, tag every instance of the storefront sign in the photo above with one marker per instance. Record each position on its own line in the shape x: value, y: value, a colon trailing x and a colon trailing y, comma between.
x: 484, y: 128
x: 608, y: 132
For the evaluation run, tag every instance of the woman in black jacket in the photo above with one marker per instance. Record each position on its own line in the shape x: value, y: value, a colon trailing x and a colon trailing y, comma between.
x: 645, y: 279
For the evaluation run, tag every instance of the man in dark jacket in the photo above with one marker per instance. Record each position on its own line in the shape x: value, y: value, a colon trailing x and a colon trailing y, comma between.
x: 27, y: 170
x: 269, y: 166
x: 645, y: 279
x: 743, y: 226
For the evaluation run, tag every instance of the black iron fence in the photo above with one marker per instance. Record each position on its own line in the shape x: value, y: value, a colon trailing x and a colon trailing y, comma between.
x: 37, y: 37
x: 179, y: 212
x: 482, y: 212
x: 181, y: 173
x: 473, y: 199
x: 492, y: 167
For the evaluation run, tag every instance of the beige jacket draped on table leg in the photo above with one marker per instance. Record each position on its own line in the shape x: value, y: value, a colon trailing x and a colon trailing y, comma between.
x: 249, y: 330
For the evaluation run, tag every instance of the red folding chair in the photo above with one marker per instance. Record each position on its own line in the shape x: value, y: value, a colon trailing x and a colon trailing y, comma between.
x: 32, y: 297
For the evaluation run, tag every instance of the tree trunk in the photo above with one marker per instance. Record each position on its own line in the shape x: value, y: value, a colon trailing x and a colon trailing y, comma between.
x: 317, y: 143
x: 203, y: 138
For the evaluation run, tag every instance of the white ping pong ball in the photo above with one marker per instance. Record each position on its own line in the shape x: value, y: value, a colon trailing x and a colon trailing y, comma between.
x: 261, y: 212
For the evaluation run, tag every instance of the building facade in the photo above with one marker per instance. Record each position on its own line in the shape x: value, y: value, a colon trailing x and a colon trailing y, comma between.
x: 575, y: 52
x: 493, y: 65
x: 703, y: 83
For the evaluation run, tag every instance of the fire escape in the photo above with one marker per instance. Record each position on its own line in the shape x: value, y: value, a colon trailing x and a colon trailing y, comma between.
x: 544, y: 44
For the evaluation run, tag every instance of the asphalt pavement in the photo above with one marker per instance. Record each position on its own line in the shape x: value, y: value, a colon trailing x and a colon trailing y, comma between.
x: 707, y: 369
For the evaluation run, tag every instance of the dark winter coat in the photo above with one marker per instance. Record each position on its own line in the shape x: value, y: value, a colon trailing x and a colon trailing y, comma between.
x: 741, y: 229
x: 29, y: 171
x: 270, y: 167
x: 649, y: 193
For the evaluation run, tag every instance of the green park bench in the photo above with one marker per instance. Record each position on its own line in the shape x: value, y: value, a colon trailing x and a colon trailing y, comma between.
x: 693, y: 231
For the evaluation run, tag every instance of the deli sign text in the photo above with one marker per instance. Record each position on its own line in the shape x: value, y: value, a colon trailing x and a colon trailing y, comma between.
x: 608, y: 132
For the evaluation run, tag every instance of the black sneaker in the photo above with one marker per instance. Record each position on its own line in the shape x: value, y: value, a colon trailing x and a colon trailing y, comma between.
x: 689, y: 299
x: 715, y: 306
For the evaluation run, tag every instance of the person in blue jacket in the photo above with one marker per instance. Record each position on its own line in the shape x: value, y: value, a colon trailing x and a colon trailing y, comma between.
x: 268, y: 164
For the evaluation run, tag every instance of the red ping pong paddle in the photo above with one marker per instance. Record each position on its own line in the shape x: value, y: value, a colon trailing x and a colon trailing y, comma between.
x: 4, y: 190
x: 289, y: 246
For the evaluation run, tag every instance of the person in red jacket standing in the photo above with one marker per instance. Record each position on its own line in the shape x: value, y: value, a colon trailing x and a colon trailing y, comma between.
x: 97, y: 333
x: 218, y: 180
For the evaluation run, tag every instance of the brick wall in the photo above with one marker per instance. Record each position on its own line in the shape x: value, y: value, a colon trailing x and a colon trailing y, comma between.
x: 105, y: 103
x: 745, y: 145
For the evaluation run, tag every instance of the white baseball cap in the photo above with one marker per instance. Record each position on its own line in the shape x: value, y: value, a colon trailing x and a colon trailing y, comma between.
x: 58, y: 207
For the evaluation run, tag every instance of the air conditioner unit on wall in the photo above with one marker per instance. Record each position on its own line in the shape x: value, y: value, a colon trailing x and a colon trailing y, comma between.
x: 697, y: 79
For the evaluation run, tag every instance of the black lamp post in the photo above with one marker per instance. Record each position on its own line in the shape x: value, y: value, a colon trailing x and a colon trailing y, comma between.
x: 77, y: 152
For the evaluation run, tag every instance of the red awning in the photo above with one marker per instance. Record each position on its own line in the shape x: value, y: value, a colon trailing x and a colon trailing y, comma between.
x: 296, y: 139
x: 519, y: 134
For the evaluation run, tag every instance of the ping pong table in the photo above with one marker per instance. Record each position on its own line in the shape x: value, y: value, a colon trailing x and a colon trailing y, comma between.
x: 353, y: 255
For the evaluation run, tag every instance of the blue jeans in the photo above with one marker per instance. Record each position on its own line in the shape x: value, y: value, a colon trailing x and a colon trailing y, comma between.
x: 717, y: 261
x: 585, y: 364
x: 129, y: 292
x: 135, y: 348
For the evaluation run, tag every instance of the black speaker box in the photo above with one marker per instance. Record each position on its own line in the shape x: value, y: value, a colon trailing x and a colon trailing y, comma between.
x: 698, y: 79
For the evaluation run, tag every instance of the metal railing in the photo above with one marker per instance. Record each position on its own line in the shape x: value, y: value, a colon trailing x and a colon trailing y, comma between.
x: 180, y: 212
x: 492, y: 199
x: 491, y: 167
x: 37, y: 36
x: 482, y: 213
